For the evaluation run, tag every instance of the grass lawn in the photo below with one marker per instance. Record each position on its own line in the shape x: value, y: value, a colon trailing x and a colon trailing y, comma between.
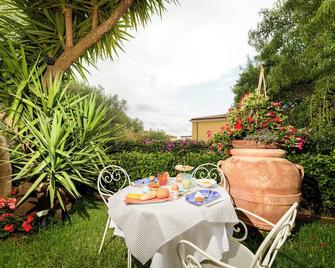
x: 75, y: 244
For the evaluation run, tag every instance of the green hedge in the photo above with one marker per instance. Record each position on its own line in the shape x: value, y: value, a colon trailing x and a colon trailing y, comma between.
x: 147, y: 146
x: 140, y: 165
x: 318, y: 187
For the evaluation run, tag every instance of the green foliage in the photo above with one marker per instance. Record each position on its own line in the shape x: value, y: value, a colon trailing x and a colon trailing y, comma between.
x: 319, y: 182
x: 40, y: 26
x: 247, y: 81
x: 16, y: 78
x: 60, y: 139
x: 140, y: 165
x: 295, y: 42
x: 153, y: 135
x: 137, y: 134
x: 152, y: 146
x: 256, y: 118
x: 116, y: 107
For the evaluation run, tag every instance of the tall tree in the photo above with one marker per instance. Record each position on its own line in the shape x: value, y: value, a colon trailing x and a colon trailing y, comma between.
x: 65, y: 32
x: 51, y: 37
x: 295, y: 42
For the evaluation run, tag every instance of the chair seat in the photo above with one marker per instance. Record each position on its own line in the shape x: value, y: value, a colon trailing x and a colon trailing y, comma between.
x: 238, y: 255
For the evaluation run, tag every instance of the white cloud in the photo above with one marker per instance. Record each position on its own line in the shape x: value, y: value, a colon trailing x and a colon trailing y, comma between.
x: 196, y: 43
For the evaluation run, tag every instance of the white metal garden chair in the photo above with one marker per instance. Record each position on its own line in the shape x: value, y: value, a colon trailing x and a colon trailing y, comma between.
x: 210, y: 171
x: 239, y: 255
x: 111, y: 180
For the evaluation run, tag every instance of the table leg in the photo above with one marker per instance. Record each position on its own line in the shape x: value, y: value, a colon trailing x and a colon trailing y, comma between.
x: 129, y: 259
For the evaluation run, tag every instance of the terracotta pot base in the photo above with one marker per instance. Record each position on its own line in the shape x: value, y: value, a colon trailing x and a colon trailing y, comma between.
x: 270, y: 207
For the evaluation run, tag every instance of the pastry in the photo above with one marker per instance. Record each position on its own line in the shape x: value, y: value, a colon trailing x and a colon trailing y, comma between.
x: 149, y: 195
x: 163, y: 193
x: 199, y: 197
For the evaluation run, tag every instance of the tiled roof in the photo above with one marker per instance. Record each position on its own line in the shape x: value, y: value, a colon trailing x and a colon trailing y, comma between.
x: 217, y: 116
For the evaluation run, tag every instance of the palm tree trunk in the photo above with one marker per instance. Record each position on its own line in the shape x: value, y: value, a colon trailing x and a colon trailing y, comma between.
x: 72, y: 54
x: 5, y: 169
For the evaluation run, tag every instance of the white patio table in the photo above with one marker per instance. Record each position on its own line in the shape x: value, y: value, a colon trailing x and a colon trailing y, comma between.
x: 154, y: 230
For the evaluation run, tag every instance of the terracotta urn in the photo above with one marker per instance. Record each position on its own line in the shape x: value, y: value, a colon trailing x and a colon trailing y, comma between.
x: 263, y: 182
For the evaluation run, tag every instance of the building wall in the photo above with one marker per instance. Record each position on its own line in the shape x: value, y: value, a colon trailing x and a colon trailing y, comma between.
x: 200, y: 128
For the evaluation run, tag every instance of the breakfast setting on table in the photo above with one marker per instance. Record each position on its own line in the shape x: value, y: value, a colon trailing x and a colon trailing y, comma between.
x: 154, y: 213
x: 162, y: 188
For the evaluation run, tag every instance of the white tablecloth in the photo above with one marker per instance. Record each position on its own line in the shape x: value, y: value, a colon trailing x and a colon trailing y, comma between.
x: 154, y: 230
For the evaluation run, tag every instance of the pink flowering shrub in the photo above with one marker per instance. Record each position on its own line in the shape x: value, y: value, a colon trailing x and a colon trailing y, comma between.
x: 10, y: 222
x: 256, y: 118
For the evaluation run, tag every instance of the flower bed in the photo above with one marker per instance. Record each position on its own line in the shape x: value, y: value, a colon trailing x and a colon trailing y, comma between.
x: 10, y: 222
x: 256, y: 118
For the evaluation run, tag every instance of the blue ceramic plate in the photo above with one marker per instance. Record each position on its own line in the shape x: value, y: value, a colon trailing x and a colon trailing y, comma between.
x: 209, y: 195
x: 141, y: 182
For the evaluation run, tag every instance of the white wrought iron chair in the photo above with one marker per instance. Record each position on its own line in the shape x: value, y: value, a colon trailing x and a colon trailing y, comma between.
x: 111, y: 180
x: 210, y: 171
x: 239, y: 255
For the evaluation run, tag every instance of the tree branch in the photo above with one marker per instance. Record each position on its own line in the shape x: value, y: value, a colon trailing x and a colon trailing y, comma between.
x: 95, y: 16
x: 68, y: 27
x: 69, y: 56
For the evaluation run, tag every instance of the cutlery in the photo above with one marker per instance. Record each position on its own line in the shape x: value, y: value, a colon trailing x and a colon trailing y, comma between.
x: 208, y: 194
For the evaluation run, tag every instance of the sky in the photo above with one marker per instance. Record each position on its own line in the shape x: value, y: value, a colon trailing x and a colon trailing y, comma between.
x: 184, y: 64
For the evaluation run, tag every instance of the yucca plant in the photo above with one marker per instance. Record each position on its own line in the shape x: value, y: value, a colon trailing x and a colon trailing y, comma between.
x: 60, y: 139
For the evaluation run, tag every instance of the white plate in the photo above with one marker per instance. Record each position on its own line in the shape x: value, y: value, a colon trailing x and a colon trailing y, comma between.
x: 206, y: 183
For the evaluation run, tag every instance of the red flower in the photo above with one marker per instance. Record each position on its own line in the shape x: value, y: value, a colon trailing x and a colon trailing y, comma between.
x: 11, y: 202
x: 3, y: 202
x: 276, y: 103
x: 30, y: 217
x: 293, y: 130
x: 281, y: 128
x: 238, y: 125
x: 219, y: 146
x: 250, y: 120
x: 300, y: 145
x: 271, y: 113
x: 301, y: 139
x: 300, y: 142
x: 5, y: 215
x: 276, y: 119
x: 14, y: 191
x: 209, y: 133
x: 9, y: 228
x: 27, y: 226
x: 264, y: 124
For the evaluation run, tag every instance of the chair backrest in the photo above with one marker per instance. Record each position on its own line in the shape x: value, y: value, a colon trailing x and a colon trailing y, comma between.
x: 111, y: 180
x: 210, y: 171
x: 268, y: 250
